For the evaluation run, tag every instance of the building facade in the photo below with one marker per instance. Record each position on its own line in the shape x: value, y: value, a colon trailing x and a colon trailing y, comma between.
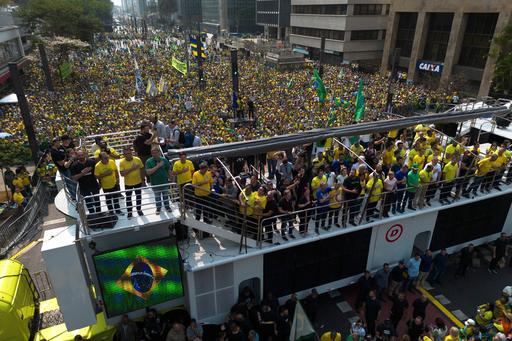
x: 444, y: 40
x: 355, y: 30
x: 274, y: 16
x: 229, y: 16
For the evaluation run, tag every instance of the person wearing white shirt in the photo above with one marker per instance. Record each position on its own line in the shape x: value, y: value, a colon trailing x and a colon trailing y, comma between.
x: 390, y: 184
x: 437, y: 171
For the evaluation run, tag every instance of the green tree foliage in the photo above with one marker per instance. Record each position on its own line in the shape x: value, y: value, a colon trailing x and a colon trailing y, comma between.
x: 70, y: 18
x: 503, y: 70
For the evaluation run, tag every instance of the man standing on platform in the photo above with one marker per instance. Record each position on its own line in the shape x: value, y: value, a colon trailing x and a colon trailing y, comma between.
x: 108, y: 175
x: 82, y: 170
x: 131, y: 168
x: 158, y: 170
x: 202, y: 181
x: 183, y: 169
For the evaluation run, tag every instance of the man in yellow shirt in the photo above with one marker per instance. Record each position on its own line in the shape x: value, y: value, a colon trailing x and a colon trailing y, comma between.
x: 335, y: 199
x: 498, y: 167
x: 183, y: 169
x: 202, y: 181
x: 374, y: 191
x: 317, y: 180
x: 451, y: 149
x: 131, y: 169
x: 483, y: 167
x: 18, y: 197
x: 425, y: 180
x: 419, y: 158
x: 448, y: 176
x: 357, y: 149
x: 107, y: 174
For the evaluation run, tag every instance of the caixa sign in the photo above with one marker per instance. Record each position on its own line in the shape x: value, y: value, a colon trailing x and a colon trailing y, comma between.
x: 429, y: 66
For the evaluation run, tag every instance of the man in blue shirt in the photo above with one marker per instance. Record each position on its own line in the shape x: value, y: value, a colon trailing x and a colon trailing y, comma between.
x: 322, y: 206
x: 400, y: 177
x: 413, y: 270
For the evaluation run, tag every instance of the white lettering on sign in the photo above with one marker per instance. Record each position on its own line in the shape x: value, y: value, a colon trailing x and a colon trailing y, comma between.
x: 429, y: 67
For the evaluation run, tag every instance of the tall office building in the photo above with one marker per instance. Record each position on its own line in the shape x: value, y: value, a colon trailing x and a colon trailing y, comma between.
x: 274, y: 16
x: 440, y: 39
x: 355, y: 30
x: 231, y: 16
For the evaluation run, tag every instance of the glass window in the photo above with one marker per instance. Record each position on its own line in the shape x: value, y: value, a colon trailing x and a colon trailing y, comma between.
x: 9, y: 51
x: 477, y: 39
x: 320, y: 9
x: 318, y: 32
x: 368, y: 9
x: 267, y: 6
x: 365, y: 35
x: 405, y: 32
x: 439, y: 27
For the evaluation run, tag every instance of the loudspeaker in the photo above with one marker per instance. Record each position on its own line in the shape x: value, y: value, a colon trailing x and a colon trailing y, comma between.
x: 102, y: 220
x: 181, y: 231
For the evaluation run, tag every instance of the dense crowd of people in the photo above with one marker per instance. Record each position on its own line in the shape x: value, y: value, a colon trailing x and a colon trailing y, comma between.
x: 99, y: 96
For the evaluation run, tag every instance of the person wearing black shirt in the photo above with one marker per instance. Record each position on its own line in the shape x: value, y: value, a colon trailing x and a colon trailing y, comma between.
x: 385, y: 331
x: 67, y: 142
x: 415, y: 328
x: 235, y: 333
x: 268, y: 216
x: 466, y: 258
x: 352, y: 189
x: 303, y: 205
x: 467, y: 167
x: 420, y: 307
x: 286, y: 206
x: 371, y: 312
x: 440, y: 263
x: 498, y: 251
x: 283, y: 324
x: 82, y: 171
x: 143, y: 141
x: 366, y: 283
x: 58, y: 154
x: 400, y: 305
x: 396, y: 279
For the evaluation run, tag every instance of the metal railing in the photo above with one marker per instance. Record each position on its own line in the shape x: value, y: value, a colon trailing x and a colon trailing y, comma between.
x: 12, y: 233
x: 221, y: 211
x: 117, y: 140
x: 107, y: 208
x: 227, y: 213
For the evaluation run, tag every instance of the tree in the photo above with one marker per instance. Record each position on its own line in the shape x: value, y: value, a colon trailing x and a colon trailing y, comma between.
x: 70, y: 18
x: 503, y: 70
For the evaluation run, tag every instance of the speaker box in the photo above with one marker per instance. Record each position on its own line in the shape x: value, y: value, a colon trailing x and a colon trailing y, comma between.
x: 102, y: 220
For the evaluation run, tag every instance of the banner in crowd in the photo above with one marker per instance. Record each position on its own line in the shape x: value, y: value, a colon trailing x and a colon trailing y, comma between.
x: 65, y: 70
x: 138, y: 78
x: 359, y: 102
x: 320, y: 88
x: 179, y: 65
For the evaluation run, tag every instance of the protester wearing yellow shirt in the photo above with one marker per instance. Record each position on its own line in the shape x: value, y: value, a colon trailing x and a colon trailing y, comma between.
x: 317, y: 180
x: 449, y: 174
x: 374, y: 194
x: 202, y: 181
x: 419, y: 159
x: 243, y: 199
x: 106, y: 172
x: 425, y: 180
x: 257, y: 202
x: 357, y: 149
x: 131, y: 169
x: 484, y: 166
x: 451, y: 149
x: 335, y: 198
x: 183, y: 170
x: 18, y: 197
x: 110, y: 151
x: 389, y: 154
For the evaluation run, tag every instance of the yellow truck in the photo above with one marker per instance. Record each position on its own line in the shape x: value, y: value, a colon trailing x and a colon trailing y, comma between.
x: 24, y: 317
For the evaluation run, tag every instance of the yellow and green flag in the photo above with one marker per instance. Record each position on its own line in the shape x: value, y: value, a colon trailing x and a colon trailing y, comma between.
x: 179, y: 65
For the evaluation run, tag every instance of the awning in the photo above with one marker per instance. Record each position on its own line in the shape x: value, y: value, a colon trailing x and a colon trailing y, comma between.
x: 9, y: 99
x: 301, y: 51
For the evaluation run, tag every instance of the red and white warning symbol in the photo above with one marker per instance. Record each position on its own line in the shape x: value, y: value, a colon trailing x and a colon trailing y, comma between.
x: 394, y: 233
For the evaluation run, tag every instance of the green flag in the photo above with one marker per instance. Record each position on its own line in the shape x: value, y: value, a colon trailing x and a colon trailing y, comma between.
x: 320, y: 89
x: 290, y: 84
x: 359, y: 102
